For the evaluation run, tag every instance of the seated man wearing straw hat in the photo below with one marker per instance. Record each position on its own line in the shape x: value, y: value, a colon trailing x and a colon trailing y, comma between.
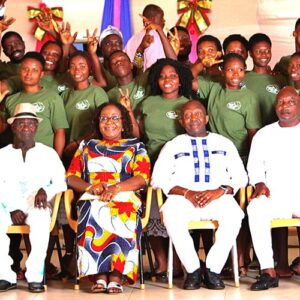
x: 30, y: 176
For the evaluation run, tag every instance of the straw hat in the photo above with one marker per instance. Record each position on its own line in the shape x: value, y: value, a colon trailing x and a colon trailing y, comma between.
x: 22, y: 111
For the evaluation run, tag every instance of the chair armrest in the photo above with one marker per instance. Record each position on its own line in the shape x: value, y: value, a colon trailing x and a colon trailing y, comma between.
x: 55, y: 210
x: 68, y: 198
x: 242, y: 198
x: 145, y: 219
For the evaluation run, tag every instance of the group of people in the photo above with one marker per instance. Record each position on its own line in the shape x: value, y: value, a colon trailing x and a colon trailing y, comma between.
x: 106, y: 121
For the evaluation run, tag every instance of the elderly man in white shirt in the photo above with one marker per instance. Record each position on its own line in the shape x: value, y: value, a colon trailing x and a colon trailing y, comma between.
x: 200, y: 172
x: 273, y: 169
x: 30, y: 176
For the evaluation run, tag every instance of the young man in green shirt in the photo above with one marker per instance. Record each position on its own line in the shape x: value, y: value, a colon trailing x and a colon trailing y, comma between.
x: 260, y: 81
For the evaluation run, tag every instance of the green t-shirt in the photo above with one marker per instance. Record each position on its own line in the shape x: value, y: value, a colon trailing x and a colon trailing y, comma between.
x: 58, y: 83
x: 8, y: 69
x: 160, y: 119
x: 138, y: 90
x: 231, y: 112
x: 265, y: 87
x: 48, y: 105
x: 80, y: 106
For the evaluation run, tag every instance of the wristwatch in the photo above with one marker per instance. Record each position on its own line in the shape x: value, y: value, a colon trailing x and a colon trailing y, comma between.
x: 224, y: 188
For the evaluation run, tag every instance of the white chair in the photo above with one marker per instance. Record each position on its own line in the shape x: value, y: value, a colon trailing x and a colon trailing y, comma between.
x: 212, y: 224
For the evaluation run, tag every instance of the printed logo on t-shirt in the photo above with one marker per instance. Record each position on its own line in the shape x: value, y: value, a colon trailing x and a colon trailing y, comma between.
x: 140, y: 93
x: 61, y: 88
x: 38, y: 107
x: 82, y: 105
x: 172, y: 115
x: 272, y: 88
x: 235, y: 105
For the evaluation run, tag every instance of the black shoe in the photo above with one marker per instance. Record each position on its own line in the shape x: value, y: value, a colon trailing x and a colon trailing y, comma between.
x: 36, y: 287
x: 213, y: 281
x: 264, y: 282
x: 6, y: 285
x: 192, y: 281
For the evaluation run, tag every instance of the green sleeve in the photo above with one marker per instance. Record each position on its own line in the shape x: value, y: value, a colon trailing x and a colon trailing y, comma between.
x: 101, y: 96
x: 253, y: 115
x: 204, y: 87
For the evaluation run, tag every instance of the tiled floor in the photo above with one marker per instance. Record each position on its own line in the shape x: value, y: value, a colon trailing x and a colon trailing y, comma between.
x: 288, y: 289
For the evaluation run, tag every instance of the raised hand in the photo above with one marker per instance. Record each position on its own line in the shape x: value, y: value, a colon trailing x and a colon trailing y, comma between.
x: 44, y: 20
x: 149, y: 25
x: 92, y: 41
x: 174, y: 40
x: 125, y: 99
x: 6, y: 22
x: 65, y: 34
x: 210, y: 61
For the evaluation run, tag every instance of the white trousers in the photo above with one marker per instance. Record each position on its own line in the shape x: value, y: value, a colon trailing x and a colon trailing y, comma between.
x: 261, y: 211
x: 178, y: 212
x: 39, y: 222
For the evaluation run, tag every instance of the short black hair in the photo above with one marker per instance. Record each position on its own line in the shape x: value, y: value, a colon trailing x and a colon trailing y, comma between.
x: 118, y: 51
x: 257, y: 38
x: 9, y: 34
x: 210, y: 38
x: 126, y: 121
x: 297, y: 23
x: 184, y: 73
x: 296, y: 54
x: 234, y: 38
x: 230, y: 56
x: 82, y: 54
x: 151, y: 10
x: 179, y: 28
x: 49, y: 43
x: 36, y: 56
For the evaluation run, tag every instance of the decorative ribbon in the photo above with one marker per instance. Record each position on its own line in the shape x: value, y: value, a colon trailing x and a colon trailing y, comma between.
x: 194, y: 12
x: 54, y: 13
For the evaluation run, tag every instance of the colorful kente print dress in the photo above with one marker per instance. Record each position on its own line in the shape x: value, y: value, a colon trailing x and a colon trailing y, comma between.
x: 108, y: 232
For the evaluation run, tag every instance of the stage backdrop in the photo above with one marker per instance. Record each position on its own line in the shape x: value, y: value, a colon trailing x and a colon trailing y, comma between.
x: 273, y: 17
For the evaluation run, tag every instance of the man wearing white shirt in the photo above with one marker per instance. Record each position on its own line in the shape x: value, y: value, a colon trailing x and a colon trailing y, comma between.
x: 273, y: 169
x: 31, y: 174
x: 200, y: 172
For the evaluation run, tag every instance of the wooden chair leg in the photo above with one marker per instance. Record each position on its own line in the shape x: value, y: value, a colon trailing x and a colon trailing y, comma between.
x: 27, y: 243
x: 77, y: 278
x: 148, y: 250
x: 170, y: 265
x: 235, y: 265
x: 141, y: 267
x: 59, y: 253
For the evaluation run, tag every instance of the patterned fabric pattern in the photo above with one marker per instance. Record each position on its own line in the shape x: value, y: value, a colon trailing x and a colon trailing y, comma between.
x: 108, y: 232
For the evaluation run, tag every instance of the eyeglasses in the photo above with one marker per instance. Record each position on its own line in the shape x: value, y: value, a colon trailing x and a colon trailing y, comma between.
x: 104, y: 119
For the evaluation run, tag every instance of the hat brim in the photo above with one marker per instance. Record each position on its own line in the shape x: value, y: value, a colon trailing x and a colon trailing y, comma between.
x: 11, y: 120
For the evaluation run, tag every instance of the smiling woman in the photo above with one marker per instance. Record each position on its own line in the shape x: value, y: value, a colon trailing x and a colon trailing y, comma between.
x: 111, y: 169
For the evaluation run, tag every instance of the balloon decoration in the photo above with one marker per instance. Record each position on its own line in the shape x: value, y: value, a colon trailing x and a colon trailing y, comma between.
x: 45, y: 14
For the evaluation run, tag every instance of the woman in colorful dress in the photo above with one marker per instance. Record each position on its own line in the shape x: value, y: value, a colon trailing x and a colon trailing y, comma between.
x: 110, y: 170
